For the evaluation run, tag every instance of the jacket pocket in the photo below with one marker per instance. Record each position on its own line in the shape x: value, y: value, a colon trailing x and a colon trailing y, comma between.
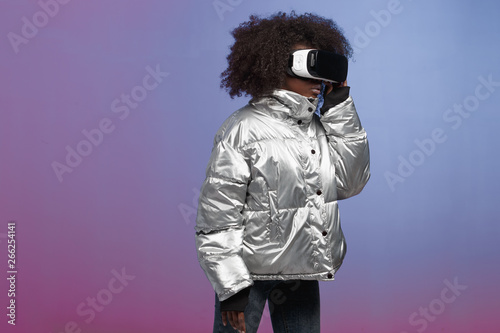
x: 274, y: 225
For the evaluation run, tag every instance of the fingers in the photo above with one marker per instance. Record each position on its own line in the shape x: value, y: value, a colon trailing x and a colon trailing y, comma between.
x: 224, y: 319
x: 328, y: 87
x: 236, y: 320
x: 241, y: 321
x: 233, y: 319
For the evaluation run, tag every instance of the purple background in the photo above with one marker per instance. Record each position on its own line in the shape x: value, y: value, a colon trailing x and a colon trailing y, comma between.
x: 129, y: 204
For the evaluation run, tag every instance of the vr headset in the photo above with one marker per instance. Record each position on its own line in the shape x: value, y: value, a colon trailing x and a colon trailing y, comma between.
x: 318, y: 65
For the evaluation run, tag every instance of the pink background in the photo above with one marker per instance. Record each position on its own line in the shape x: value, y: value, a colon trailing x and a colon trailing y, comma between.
x: 128, y: 205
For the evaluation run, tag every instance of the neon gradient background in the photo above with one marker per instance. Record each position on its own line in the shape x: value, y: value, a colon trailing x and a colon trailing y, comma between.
x: 128, y: 205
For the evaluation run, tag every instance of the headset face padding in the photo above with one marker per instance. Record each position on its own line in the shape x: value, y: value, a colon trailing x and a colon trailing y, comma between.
x: 318, y: 64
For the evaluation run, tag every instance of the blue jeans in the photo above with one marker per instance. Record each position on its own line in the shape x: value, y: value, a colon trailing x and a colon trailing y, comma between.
x: 293, y: 306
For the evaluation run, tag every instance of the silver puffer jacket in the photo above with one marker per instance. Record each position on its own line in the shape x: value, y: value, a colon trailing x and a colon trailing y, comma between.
x: 268, y: 207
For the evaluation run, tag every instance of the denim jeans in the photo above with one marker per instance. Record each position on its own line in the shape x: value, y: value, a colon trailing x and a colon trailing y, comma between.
x: 293, y: 306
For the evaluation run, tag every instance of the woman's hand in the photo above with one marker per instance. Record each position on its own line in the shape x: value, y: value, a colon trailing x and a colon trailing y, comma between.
x: 329, y: 86
x: 235, y: 318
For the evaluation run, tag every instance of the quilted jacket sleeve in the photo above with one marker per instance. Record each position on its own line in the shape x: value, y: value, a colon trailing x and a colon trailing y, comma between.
x: 219, y: 223
x: 348, y: 142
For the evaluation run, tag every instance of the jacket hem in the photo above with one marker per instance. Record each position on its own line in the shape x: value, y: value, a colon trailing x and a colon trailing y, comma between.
x: 285, y: 277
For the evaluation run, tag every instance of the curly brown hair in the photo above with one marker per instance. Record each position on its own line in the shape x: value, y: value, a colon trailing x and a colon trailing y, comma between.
x: 259, y: 56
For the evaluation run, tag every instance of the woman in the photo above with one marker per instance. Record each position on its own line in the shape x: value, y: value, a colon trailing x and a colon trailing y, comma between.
x: 268, y: 224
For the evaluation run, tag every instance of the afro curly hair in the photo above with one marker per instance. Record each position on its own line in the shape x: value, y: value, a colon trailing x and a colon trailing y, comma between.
x: 258, y: 59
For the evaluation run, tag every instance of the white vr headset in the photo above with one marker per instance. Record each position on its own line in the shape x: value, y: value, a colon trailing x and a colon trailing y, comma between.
x: 318, y: 65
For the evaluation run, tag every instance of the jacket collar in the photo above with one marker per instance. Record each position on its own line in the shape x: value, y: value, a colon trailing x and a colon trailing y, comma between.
x: 288, y: 102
